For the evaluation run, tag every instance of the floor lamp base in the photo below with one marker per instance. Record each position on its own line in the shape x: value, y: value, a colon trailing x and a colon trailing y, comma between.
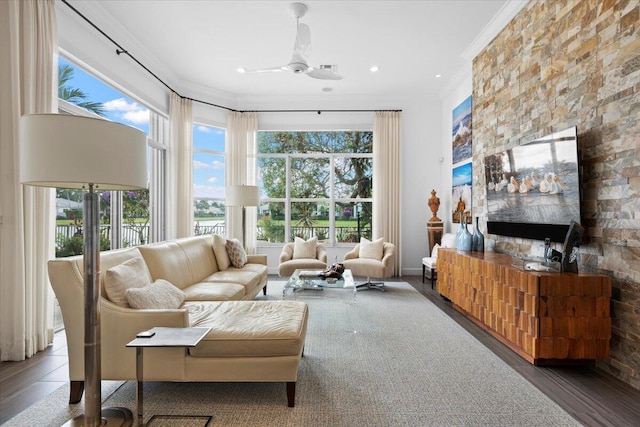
x: 112, y: 417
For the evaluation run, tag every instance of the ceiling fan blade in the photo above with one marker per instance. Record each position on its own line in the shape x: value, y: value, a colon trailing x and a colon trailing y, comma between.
x: 269, y: 70
x: 319, y: 73
x: 303, y: 40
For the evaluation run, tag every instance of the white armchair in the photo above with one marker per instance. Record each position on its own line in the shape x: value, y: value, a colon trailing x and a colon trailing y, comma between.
x: 290, y: 261
x: 429, y: 264
x: 363, y: 264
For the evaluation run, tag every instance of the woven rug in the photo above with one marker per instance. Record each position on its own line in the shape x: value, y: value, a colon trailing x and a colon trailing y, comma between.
x: 388, y: 359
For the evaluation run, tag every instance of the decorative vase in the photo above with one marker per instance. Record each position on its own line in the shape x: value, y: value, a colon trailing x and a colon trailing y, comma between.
x: 460, y: 230
x: 477, y: 241
x: 464, y: 238
x: 434, y: 204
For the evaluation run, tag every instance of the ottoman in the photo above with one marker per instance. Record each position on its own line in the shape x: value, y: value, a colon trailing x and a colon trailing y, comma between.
x: 249, y: 341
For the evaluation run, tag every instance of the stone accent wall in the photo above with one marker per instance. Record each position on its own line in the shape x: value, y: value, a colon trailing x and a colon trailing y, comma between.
x: 574, y: 62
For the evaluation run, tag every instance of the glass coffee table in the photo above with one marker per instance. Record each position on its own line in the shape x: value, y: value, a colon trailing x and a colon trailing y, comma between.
x: 303, y: 280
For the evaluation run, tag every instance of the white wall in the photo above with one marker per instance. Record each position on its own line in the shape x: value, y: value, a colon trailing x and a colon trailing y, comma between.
x: 458, y: 90
x: 422, y: 132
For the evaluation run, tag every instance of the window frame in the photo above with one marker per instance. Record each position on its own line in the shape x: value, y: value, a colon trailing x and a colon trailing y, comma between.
x: 331, y: 200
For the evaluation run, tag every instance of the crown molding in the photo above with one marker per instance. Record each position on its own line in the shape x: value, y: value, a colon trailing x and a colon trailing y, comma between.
x: 506, y: 13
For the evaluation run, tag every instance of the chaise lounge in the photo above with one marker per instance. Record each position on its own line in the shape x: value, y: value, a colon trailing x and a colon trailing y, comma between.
x: 249, y: 341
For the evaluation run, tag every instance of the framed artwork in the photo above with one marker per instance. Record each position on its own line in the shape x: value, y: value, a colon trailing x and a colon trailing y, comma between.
x: 461, y: 192
x: 461, y: 131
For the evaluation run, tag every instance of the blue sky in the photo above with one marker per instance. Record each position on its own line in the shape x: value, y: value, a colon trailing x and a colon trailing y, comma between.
x: 208, y: 176
x: 462, y: 175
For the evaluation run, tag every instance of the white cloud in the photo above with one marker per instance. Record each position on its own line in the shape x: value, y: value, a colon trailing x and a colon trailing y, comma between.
x: 217, y: 164
x: 212, y: 180
x: 204, y: 129
x: 200, y: 165
x: 138, y: 117
x: 205, y: 191
x: 131, y: 112
x: 121, y: 104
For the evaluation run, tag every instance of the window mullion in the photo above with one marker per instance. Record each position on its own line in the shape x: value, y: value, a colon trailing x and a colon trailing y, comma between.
x: 287, y: 203
x: 116, y: 219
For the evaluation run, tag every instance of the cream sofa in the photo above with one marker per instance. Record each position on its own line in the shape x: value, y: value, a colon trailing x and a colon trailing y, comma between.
x: 250, y: 341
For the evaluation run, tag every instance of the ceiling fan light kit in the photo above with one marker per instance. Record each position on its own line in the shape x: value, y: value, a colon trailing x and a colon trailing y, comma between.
x: 298, y: 63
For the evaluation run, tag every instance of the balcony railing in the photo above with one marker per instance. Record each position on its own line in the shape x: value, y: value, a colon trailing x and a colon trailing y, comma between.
x: 273, y: 234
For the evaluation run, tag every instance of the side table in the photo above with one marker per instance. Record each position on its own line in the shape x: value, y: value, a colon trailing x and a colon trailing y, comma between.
x: 164, y: 337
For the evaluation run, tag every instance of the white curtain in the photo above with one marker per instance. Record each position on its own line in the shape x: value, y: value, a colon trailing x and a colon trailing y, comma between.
x: 386, y: 180
x: 242, y: 131
x: 28, y: 70
x: 180, y: 206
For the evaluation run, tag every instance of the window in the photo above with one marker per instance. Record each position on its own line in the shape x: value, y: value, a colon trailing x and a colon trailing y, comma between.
x: 125, y: 218
x: 315, y: 184
x: 208, y: 180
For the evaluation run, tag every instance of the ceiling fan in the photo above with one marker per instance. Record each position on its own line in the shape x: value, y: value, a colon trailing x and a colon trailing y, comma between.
x: 298, y: 63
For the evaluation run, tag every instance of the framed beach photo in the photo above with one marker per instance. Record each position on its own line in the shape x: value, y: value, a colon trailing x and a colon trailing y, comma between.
x: 461, y: 192
x: 461, y: 131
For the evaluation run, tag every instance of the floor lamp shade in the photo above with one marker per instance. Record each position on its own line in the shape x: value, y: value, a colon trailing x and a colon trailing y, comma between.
x: 59, y: 150
x: 242, y: 195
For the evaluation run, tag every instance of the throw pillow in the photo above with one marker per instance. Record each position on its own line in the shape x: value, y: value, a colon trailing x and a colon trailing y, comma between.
x: 220, y: 251
x: 305, y: 249
x: 237, y: 255
x: 371, y: 250
x: 434, y: 251
x: 157, y: 295
x: 130, y: 274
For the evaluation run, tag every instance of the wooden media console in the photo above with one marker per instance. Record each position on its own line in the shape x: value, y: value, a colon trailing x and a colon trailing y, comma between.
x: 545, y: 317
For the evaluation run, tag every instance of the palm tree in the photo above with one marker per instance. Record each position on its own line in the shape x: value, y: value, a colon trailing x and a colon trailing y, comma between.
x: 74, y: 95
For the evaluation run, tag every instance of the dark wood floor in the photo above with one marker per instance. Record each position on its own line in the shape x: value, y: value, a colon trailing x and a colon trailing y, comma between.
x: 591, y: 396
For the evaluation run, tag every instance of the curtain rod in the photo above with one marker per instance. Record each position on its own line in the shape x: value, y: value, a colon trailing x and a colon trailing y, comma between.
x: 121, y: 50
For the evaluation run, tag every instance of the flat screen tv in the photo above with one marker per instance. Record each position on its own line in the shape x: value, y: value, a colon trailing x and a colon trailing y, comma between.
x: 533, y: 190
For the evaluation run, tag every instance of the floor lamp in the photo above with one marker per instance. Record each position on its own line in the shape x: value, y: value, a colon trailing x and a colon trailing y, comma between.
x: 242, y: 195
x: 59, y: 150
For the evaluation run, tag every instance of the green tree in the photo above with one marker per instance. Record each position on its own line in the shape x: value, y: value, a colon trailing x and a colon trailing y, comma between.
x: 310, y: 177
x: 135, y: 212
x: 74, y: 95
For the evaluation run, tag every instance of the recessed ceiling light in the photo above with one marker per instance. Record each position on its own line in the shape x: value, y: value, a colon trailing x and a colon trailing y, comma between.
x: 327, y: 89
x: 438, y: 76
x: 241, y: 70
x: 374, y: 69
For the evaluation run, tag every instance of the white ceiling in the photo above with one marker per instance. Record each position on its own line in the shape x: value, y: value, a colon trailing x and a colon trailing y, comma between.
x: 200, y: 44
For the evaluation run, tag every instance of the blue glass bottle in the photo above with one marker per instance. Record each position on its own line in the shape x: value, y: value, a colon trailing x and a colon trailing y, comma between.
x: 464, y: 238
x: 477, y: 241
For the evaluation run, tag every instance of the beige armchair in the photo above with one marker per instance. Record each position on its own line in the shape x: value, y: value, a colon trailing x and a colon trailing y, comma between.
x: 288, y: 263
x: 371, y: 267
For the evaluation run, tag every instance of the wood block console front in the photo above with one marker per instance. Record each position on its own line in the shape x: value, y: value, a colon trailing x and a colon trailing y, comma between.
x: 543, y: 316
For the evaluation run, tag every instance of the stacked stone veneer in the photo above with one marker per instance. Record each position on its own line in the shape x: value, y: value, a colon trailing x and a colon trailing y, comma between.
x: 574, y: 62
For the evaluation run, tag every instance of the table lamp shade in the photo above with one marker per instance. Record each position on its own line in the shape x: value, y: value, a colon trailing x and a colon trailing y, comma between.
x: 242, y: 195
x: 60, y: 150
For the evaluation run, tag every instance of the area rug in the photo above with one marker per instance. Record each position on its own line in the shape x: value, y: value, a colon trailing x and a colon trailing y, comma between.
x: 386, y: 359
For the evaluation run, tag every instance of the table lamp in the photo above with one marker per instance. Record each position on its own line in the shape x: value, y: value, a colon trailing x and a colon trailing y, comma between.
x: 242, y: 195
x: 60, y: 150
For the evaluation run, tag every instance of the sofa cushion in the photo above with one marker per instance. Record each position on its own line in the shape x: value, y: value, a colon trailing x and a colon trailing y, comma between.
x: 305, y: 249
x: 211, y: 291
x: 182, y: 262
x: 371, y: 250
x: 237, y: 255
x: 220, y: 250
x: 287, y: 268
x: 242, y: 276
x: 249, y: 328
x: 132, y: 273
x: 157, y: 295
